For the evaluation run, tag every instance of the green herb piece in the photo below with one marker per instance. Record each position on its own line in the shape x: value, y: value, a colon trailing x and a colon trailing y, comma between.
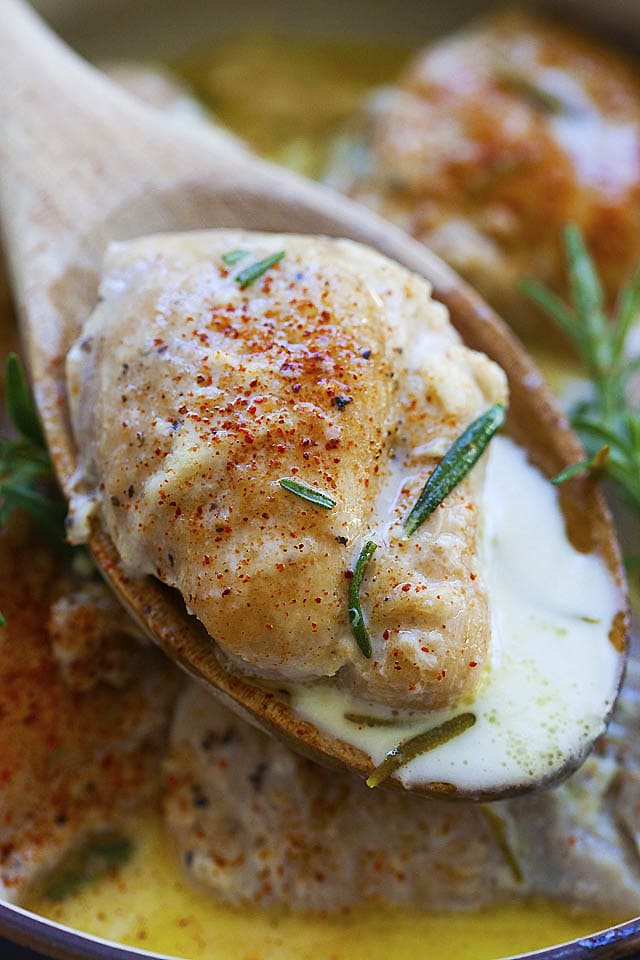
x: 307, y: 493
x: 58, y: 753
x: 424, y: 742
x: 356, y: 618
x: 455, y: 465
x: 597, y: 462
x: 26, y: 473
x: 365, y: 720
x: 3, y: 620
x: 534, y: 93
x: 19, y: 404
x: 498, y: 829
x: 608, y: 418
x: 234, y: 256
x: 255, y: 270
x: 87, y: 863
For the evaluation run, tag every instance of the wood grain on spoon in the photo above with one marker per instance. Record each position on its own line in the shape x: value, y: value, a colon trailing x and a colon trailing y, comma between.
x: 82, y: 163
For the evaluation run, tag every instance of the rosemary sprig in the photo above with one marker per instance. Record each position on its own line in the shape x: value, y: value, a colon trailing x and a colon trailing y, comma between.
x: 455, y: 465
x: 608, y: 418
x: 356, y: 618
x: 301, y: 490
x: 424, y: 742
x: 255, y: 270
x: 234, y: 256
x: 26, y: 473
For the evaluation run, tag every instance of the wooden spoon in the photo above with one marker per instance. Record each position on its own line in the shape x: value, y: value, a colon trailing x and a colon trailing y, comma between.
x: 83, y: 163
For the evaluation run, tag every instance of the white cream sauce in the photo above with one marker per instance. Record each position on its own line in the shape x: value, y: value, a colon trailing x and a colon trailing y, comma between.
x: 553, y: 674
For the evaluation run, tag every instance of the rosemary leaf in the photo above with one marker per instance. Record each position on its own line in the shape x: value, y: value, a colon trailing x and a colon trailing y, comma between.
x: 551, y: 304
x: 307, y: 493
x: 628, y: 312
x: 96, y: 857
x: 49, y: 514
x: 255, y: 270
x: 595, y: 463
x: 498, y: 829
x: 19, y: 404
x: 455, y: 465
x: 422, y: 743
x: 234, y: 256
x: 356, y: 619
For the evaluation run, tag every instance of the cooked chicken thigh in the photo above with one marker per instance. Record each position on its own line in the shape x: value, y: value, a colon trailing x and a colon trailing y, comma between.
x: 194, y: 392
x: 492, y: 140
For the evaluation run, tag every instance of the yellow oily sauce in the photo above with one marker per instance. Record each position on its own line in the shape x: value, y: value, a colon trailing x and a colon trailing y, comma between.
x: 287, y: 98
x: 147, y: 904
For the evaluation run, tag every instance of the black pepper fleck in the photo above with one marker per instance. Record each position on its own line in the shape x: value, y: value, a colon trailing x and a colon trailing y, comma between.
x: 256, y: 779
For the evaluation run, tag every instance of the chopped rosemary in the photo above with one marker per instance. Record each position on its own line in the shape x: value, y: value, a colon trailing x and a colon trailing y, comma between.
x: 255, y: 270
x: 234, y: 256
x: 608, y: 417
x: 455, y: 465
x: 96, y: 857
x: 424, y: 742
x: 307, y: 493
x: 356, y: 619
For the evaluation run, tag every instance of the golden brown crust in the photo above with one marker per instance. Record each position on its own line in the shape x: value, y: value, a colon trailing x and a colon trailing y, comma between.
x: 194, y: 397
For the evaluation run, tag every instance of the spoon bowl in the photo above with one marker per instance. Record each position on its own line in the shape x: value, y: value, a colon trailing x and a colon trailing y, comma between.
x: 82, y: 163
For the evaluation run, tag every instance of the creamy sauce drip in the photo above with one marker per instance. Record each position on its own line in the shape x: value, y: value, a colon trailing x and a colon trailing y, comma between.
x: 553, y: 672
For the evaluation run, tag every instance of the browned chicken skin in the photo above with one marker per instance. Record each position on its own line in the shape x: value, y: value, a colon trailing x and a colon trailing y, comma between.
x: 493, y: 139
x: 193, y: 397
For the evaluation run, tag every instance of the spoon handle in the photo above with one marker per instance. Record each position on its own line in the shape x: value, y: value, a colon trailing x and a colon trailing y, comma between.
x: 74, y: 142
x: 77, y: 155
